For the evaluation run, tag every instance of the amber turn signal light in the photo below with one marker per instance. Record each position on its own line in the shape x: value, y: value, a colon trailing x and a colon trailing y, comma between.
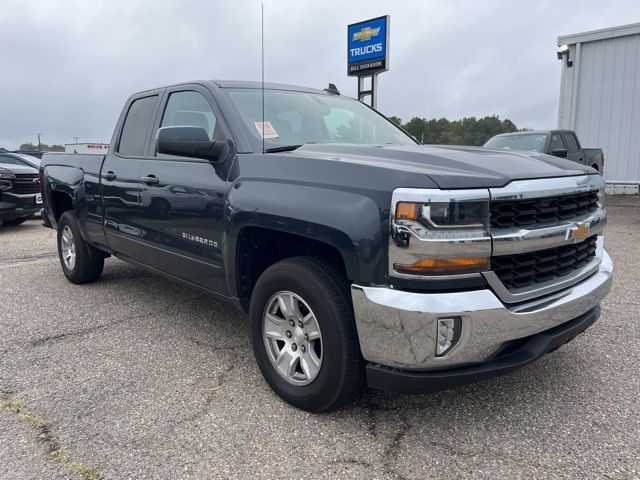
x: 430, y: 266
x: 407, y: 211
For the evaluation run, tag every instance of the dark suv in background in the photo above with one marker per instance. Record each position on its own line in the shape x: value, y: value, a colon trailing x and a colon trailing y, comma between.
x: 20, y: 196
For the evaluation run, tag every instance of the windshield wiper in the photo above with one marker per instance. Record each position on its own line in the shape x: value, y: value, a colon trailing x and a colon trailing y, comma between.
x: 285, y: 148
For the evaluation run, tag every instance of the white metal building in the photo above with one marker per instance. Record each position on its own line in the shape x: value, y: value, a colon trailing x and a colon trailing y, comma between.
x: 600, y: 97
x: 99, y: 148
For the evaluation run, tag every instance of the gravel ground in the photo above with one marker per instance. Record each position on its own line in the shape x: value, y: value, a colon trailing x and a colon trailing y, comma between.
x: 136, y: 377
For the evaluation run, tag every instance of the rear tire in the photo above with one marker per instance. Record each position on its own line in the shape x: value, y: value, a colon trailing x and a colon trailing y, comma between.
x: 318, y: 292
x: 81, y: 263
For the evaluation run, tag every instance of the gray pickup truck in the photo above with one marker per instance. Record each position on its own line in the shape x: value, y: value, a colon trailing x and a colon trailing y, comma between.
x: 559, y: 143
x: 360, y: 257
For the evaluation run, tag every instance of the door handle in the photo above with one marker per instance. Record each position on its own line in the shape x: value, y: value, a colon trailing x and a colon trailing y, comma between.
x: 109, y: 176
x: 150, y: 180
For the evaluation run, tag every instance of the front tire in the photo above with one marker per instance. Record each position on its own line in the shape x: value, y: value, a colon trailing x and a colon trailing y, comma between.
x: 81, y: 263
x: 304, y: 336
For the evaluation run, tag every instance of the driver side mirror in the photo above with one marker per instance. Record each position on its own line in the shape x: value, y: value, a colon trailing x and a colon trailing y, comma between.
x: 559, y: 152
x: 191, y: 142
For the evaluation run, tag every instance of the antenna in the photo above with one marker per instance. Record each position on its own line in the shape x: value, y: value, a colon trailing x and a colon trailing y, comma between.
x: 262, y: 61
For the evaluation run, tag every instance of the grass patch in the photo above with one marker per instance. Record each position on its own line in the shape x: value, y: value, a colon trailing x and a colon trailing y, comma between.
x: 41, y: 427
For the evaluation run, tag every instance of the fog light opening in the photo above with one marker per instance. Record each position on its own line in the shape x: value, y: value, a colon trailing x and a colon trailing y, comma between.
x: 448, y: 334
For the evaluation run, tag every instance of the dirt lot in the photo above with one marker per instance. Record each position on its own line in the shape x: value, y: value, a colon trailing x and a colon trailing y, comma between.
x: 135, y: 377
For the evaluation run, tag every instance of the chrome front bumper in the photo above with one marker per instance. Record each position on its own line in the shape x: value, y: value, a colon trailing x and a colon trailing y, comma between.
x: 398, y: 328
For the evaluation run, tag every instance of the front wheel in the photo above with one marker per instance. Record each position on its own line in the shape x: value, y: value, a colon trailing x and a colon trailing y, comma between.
x: 81, y: 263
x: 303, y: 334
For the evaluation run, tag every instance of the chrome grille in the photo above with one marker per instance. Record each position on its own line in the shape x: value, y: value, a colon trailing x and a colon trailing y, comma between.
x: 528, y: 269
x: 530, y: 212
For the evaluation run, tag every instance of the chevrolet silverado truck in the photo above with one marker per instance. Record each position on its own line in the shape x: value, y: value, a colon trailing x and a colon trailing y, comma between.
x: 559, y: 143
x: 20, y: 196
x: 361, y: 257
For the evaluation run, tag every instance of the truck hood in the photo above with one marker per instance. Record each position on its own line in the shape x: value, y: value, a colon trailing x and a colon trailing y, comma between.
x: 452, y: 166
x: 17, y: 168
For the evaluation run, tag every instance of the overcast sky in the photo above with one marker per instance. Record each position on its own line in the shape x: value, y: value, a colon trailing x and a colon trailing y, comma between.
x: 67, y: 66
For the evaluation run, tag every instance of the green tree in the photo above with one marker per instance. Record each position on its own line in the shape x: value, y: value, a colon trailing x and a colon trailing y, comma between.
x: 415, y: 127
x: 396, y: 120
x: 28, y: 147
x: 467, y: 131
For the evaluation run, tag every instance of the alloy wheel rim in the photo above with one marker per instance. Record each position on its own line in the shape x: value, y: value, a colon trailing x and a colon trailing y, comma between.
x: 68, y: 248
x: 292, y: 338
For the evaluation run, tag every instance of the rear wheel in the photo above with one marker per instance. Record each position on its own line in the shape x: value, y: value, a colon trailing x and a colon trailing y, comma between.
x: 81, y: 263
x: 304, y: 336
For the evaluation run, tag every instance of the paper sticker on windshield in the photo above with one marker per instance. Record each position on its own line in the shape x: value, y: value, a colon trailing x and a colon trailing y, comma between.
x: 266, y: 130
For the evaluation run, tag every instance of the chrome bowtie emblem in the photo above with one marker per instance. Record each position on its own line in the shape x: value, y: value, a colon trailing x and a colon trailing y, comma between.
x: 579, y: 231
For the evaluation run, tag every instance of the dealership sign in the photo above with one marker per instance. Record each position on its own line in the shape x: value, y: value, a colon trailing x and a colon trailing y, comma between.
x: 367, y: 47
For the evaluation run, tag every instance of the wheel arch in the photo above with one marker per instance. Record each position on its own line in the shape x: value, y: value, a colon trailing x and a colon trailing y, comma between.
x: 257, y: 246
x: 346, y: 224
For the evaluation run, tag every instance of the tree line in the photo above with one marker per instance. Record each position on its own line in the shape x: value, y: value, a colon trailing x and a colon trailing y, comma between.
x: 30, y: 147
x: 468, y: 131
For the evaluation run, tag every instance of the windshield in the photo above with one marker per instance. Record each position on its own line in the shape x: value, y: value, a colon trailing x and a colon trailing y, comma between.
x: 296, y: 118
x: 29, y: 160
x: 17, y: 160
x: 528, y: 142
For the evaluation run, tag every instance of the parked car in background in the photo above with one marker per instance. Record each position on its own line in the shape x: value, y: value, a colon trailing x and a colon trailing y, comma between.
x: 560, y: 143
x: 20, y: 196
x: 20, y: 159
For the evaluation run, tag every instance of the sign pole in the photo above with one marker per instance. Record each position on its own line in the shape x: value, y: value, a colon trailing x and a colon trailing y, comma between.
x: 368, y: 55
x: 371, y: 92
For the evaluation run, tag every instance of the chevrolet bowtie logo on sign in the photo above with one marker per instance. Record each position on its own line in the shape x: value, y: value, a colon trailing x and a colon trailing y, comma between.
x: 580, y: 231
x: 367, y: 47
x: 366, y: 33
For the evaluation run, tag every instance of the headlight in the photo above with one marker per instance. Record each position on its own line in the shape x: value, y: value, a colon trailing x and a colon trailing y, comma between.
x: 439, y: 232
x: 440, y: 215
x: 5, y: 178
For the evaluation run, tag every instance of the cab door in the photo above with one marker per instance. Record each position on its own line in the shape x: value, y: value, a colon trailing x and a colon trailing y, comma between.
x: 182, y: 199
x: 120, y: 174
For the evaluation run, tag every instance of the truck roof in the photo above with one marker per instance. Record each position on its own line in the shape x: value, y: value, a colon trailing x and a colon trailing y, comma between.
x: 532, y: 132
x: 243, y: 84
x: 271, y: 86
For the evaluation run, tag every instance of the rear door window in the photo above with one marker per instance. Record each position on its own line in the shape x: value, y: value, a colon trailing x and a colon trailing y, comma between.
x: 134, y: 131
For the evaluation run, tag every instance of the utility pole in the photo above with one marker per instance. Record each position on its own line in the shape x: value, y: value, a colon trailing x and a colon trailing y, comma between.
x: 39, y: 144
x: 76, y: 139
